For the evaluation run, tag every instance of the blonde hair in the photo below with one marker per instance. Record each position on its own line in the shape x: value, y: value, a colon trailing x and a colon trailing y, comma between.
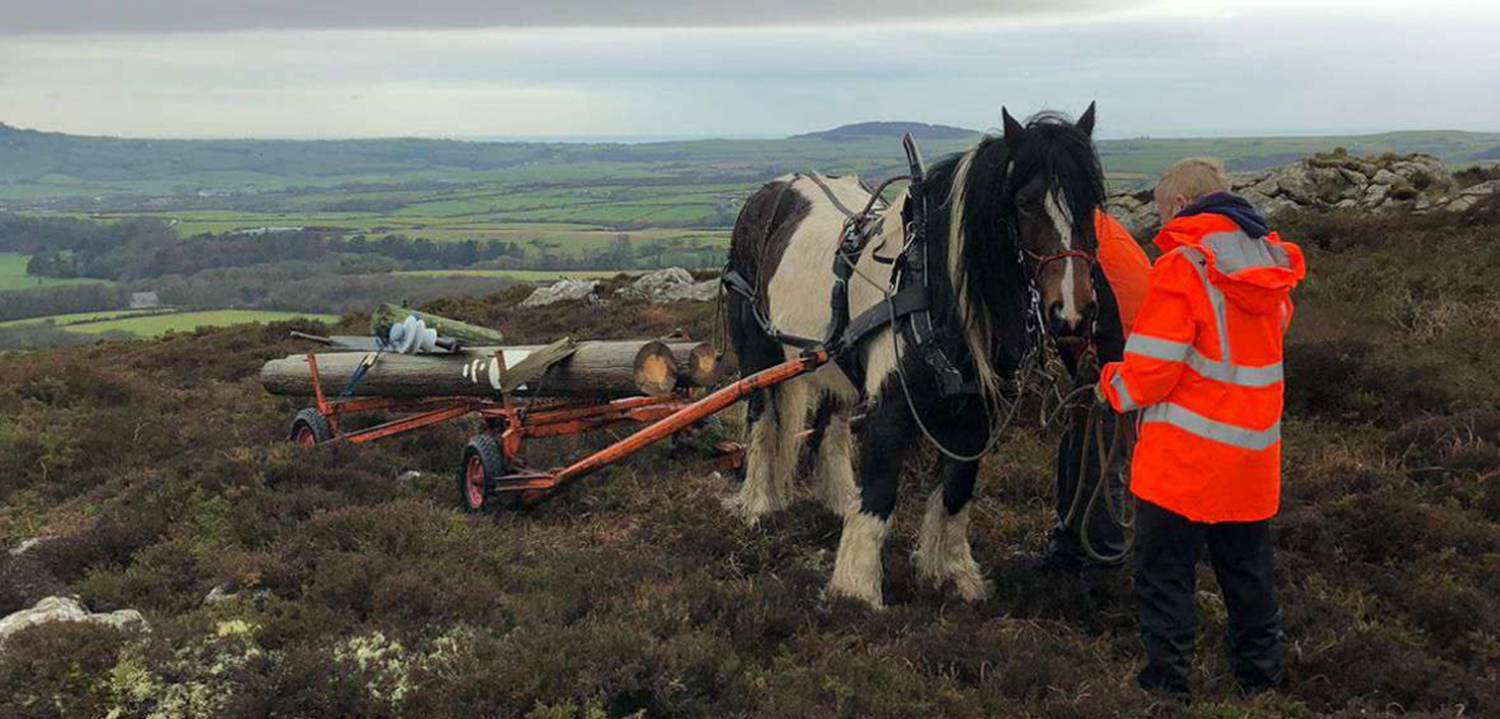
x: 1192, y: 178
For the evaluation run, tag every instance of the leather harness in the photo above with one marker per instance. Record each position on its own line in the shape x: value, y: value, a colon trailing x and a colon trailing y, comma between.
x: 910, y: 298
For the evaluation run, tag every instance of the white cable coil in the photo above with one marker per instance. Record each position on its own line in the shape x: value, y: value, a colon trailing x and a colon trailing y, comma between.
x: 411, y: 336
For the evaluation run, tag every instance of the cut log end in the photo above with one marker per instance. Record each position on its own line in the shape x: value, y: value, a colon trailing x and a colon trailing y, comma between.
x: 703, y: 366
x: 698, y: 364
x: 655, y: 369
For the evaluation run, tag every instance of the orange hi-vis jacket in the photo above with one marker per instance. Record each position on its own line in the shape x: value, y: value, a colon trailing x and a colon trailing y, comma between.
x: 1124, y: 264
x: 1203, y: 363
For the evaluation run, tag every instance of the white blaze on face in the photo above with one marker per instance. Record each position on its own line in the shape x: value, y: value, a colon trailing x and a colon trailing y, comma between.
x: 1056, y: 203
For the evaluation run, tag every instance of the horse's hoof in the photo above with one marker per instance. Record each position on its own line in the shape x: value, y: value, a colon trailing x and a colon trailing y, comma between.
x: 872, y: 601
x: 974, y: 590
x: 749, y: 512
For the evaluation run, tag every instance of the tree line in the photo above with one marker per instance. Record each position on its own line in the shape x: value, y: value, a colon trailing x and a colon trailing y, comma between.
x: 143, y: 248
x: 137, y: 249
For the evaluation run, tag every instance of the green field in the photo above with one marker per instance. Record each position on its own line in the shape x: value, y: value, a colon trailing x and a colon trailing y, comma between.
x: 559, y: 203
x: 159, y: 324
x: 13, y: 274
x: 524, y: 275
x: 78, y: 318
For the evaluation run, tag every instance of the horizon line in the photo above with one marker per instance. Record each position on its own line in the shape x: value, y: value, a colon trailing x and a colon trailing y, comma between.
x: 666, y: 138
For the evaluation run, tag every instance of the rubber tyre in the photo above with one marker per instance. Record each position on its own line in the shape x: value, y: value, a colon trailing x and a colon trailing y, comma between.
x: 484, y: 464
x: 310, y: 428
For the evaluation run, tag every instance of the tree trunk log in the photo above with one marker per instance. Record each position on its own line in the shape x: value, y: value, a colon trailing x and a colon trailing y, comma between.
x: 698, y: 364
x: 595, y: 369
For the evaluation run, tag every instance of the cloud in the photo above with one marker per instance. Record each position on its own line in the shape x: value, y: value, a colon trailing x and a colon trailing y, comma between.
x: 1157, y: 71
x: 22, y: 17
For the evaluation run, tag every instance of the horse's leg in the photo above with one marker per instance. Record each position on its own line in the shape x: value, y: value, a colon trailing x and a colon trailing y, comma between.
x: 791, y: 418
x: 883, y: 442
x: 765, y: 472
x: 776, y: 415
x: 833, y: 468
x: 943, y: 546
x: 756, y: 494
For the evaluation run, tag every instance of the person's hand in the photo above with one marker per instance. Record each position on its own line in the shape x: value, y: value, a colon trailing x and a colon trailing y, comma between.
x: 1099, y: 394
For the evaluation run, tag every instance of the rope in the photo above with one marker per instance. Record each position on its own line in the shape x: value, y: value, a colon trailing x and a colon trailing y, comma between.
x: 1122, y: 516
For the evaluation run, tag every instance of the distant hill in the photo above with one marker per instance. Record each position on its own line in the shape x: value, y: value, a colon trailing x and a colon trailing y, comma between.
x: 39, y: 168
x: 866, y: 130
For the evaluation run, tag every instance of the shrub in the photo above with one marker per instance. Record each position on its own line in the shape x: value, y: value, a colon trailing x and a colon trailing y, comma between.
x: 59, y: 670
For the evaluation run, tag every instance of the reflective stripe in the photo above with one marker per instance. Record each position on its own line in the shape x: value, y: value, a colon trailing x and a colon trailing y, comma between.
x: 1157, y: 348
x: 1228, y: 373
x: 1127, y: 403
x: 1198, y: 425
x: 1235, y: 251
x: 1235, y: 374
x: 1215, y: 300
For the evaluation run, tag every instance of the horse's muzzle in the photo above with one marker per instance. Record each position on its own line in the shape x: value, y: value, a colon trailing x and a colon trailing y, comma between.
x: 1062, y: 323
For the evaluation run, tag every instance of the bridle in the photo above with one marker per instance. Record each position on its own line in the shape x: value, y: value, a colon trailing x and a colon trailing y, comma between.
x: 1040, y: 261
x: 1034, y: 322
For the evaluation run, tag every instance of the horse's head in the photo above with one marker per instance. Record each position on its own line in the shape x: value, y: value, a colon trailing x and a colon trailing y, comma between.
x: 1053, y: 186
x: 1021, y: 217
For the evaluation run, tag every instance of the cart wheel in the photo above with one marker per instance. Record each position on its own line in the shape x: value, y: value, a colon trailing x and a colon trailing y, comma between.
x: 310, y: 428
x: 483, y: 466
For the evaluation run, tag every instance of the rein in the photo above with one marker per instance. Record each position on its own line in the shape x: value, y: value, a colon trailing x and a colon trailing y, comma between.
x: 1101, y: 444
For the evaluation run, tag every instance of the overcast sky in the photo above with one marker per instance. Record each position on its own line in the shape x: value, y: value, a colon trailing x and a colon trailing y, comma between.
x: 553, y: 68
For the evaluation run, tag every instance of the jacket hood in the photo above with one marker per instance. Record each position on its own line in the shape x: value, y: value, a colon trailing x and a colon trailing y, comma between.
x: 1232, y: 206
x: 1256, y: 274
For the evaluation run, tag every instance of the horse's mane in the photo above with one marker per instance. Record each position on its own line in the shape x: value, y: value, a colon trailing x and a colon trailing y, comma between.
x: 974, y: 193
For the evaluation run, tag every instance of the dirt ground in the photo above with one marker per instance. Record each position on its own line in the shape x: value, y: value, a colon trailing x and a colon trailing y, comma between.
x: 158, y: 471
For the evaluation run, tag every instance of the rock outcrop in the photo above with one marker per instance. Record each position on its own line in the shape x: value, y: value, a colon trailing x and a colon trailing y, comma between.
x: 1331, y: 181
x: 672, y: 284
x: 26, y: 545
x: 66, y: 609
x: 563, y: 291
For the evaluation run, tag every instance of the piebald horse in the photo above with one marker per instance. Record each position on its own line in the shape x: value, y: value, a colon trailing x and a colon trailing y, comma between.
x: 1012, y: 216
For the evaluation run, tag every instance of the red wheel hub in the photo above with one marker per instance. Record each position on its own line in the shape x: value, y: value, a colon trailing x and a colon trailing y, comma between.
x: 305, y: 437
x: 474, y: 482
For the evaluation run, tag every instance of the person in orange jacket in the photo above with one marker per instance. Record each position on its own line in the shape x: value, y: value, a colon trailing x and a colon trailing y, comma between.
x: 1203, y: 366
x: 1120, y: 280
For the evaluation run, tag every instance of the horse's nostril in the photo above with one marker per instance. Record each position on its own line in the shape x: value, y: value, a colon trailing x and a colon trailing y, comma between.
x: 1065, y: 324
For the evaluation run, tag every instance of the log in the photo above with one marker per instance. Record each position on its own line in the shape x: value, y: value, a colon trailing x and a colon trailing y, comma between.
x: 593, y: 369
x: 698, y: 363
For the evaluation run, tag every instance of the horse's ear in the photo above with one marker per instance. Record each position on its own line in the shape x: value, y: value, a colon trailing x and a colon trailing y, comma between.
x: 1013, y: 129
x: 1086, y: 121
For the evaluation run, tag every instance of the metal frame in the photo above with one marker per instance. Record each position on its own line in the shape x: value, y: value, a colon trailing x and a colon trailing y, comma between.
x: 662, y: 417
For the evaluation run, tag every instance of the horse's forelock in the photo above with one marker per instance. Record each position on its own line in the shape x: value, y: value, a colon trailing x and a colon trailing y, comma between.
x: 1054, y: 149
x: 979, y: 190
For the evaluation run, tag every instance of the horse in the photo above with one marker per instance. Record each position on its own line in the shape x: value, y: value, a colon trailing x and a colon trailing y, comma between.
x: 1009, y: 245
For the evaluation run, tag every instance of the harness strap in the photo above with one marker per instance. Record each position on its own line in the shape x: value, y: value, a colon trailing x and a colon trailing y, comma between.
x: 910, y: 279
x: 886, y: 313
x: 909, y: 300
x: 735, y: 282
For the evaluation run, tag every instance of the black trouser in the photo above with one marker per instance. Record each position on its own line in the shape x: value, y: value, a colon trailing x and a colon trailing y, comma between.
x: 1105, y: 534
x: 1167, y: 549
